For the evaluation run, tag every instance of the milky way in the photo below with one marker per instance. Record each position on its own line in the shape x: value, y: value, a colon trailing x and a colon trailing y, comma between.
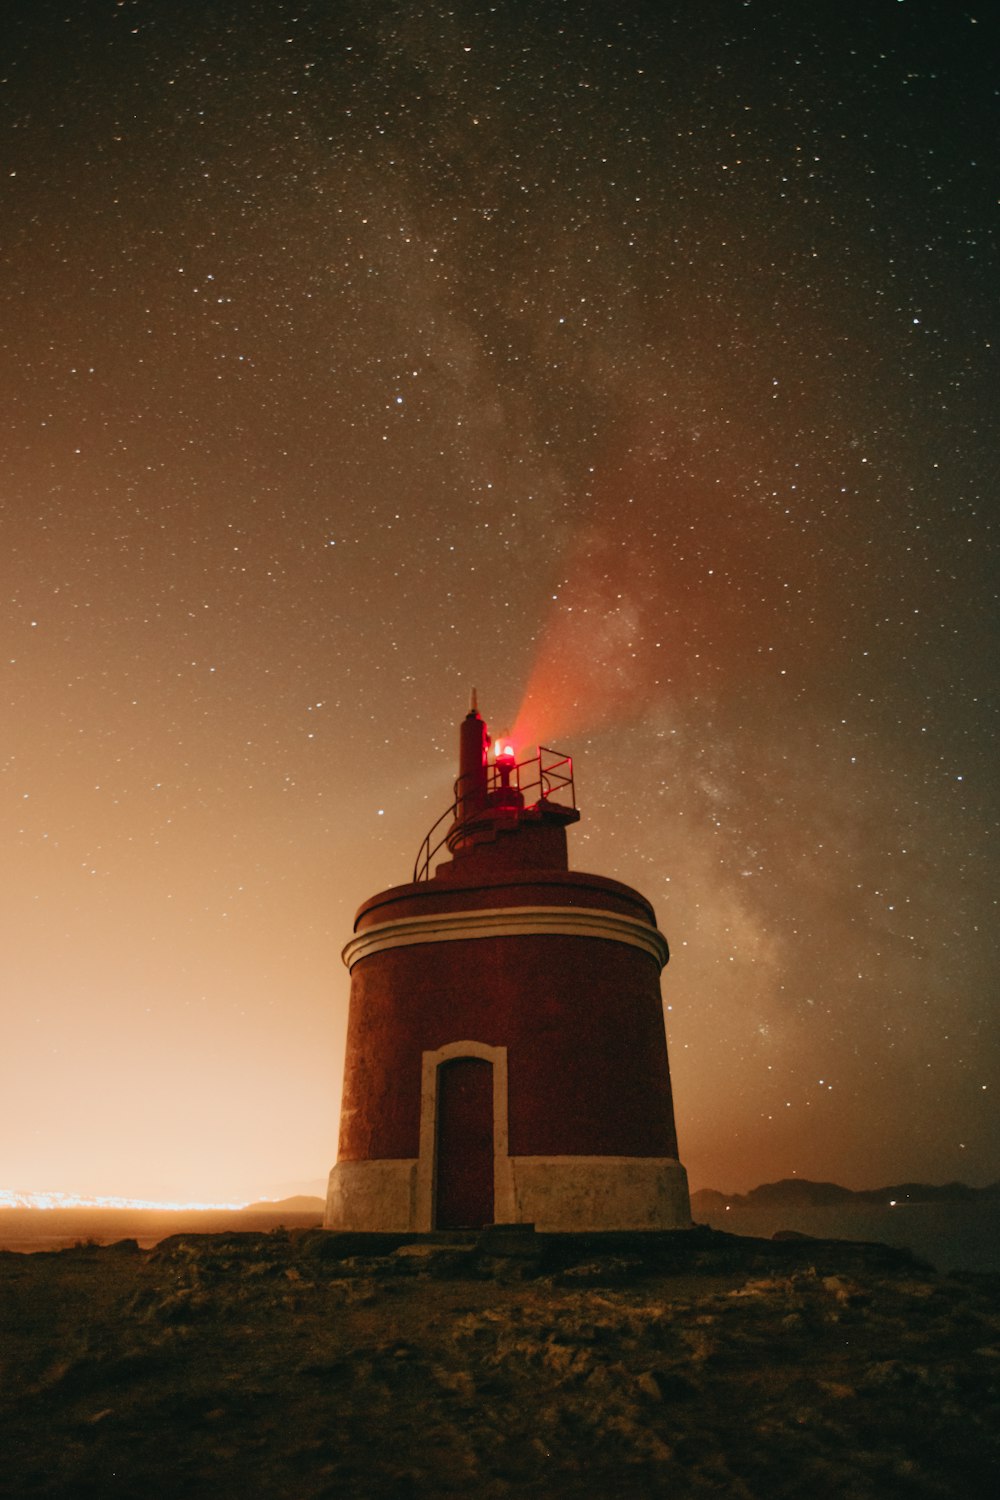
x: 635, y: 364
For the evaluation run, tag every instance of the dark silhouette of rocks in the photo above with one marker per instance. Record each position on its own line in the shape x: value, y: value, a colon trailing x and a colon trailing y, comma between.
x: 954, y: 1226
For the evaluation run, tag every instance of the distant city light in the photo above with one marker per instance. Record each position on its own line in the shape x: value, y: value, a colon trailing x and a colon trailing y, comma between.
x: 10, y: 1199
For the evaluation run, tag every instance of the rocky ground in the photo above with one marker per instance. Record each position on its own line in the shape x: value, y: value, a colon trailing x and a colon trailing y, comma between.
x: 306, y: 1364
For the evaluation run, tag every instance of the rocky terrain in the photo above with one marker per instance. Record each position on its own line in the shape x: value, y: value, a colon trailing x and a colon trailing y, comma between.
x: 301, y: 1363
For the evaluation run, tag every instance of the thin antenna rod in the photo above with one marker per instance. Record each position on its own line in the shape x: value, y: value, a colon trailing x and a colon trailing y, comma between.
x: 475, y: 705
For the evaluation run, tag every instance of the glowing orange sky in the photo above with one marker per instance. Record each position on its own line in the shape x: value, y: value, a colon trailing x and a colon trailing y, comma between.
x: 643, y: 377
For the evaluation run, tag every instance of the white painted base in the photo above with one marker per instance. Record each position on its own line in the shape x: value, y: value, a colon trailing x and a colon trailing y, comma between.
x: 558, y: 1194
x: 577, y: 1193
x: 372, y: 1196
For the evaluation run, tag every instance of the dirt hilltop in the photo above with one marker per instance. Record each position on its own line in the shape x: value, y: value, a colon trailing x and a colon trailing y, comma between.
x: 302, y: 1363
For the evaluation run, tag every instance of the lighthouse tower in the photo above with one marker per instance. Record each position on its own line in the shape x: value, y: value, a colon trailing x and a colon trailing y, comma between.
x: 506, y: 1055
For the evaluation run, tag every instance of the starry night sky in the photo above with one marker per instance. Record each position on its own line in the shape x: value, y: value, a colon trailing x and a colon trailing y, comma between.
x: 636, y: 364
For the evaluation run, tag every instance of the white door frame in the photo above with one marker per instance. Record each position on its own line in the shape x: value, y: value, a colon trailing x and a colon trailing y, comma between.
x: 503, y: 1174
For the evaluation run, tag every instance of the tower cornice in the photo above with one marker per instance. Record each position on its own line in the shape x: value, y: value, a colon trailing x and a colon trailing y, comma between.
x: 508, y: 921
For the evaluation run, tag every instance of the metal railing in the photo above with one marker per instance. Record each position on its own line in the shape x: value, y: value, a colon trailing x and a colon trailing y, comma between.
x: 554, y: 775
x: 549, y: 775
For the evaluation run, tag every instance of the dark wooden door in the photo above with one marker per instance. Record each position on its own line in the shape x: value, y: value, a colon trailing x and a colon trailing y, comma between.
x: 464, y: 1144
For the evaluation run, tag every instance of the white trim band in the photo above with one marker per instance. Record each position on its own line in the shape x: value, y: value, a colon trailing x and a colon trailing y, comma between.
x: 509, y: 921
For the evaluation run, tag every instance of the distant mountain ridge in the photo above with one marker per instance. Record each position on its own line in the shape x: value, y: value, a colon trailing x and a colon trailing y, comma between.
x: 299, y: 1203
x: 800, y: 1192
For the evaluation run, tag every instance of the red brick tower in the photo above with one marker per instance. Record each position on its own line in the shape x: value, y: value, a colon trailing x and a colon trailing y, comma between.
x: 506, y: 1055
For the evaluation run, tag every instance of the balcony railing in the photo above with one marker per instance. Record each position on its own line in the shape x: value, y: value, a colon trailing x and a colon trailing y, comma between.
x: 545, y: 777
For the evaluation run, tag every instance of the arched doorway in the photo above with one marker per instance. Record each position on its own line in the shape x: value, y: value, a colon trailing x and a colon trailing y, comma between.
x: 464, y: 1145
